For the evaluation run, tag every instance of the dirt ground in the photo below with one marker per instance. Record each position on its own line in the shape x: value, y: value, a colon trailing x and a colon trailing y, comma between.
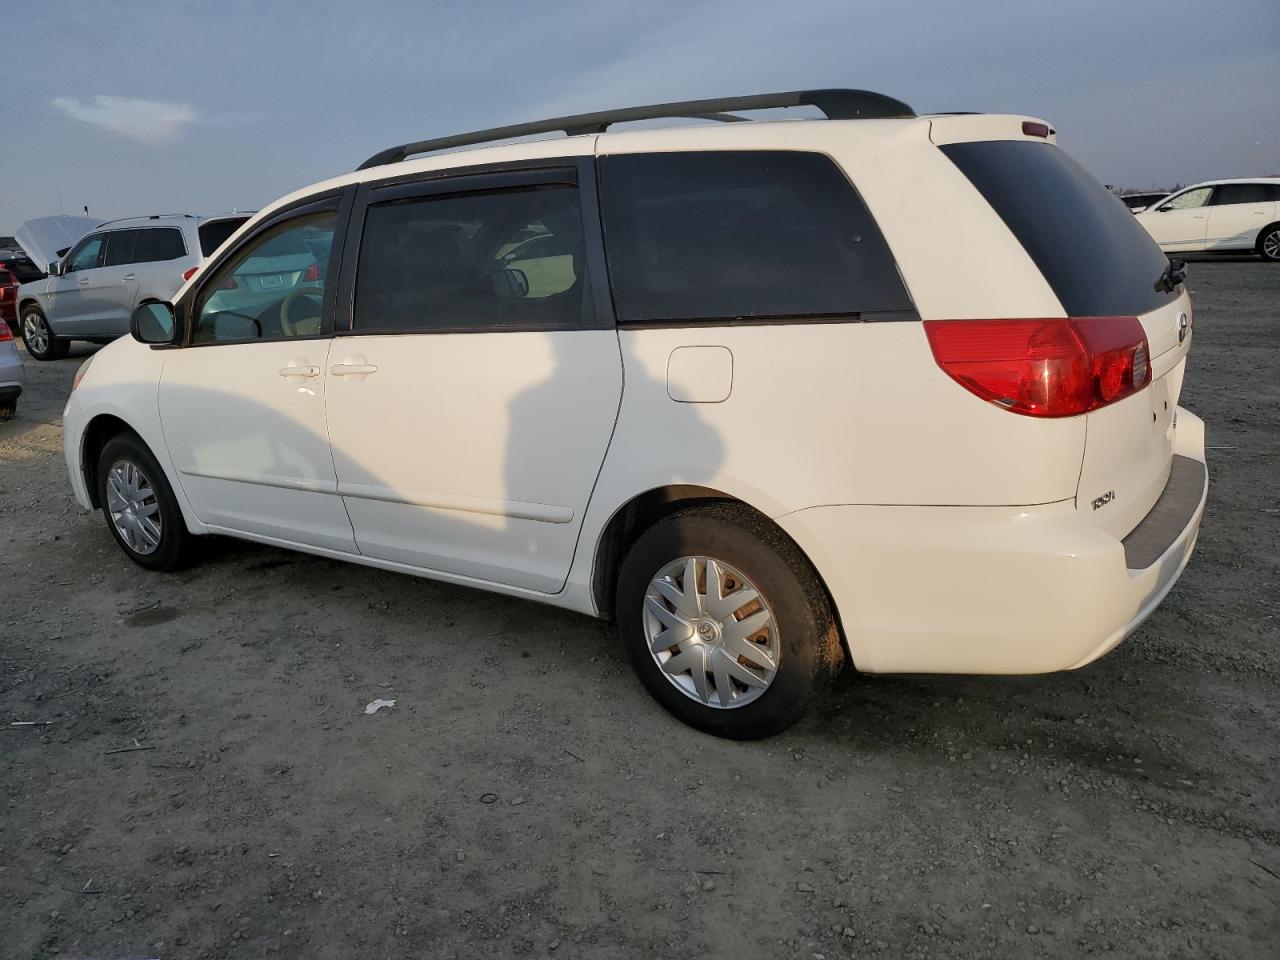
x: 208, y: 784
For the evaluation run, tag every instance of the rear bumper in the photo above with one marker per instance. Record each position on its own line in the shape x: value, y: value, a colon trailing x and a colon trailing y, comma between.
x: 1000, y: 590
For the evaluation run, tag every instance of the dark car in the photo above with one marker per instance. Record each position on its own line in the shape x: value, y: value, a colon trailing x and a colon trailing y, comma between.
x: 15, y: 261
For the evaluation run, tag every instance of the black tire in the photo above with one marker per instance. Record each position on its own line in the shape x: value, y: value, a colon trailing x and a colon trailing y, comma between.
x: 1269, y: 240
x: 56, y: 349
x: 810, y: 649
x: 175, y: 547
x: 8, y: 411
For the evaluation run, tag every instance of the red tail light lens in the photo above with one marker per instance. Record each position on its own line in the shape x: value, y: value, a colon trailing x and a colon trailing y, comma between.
x: 188, y: 274
x: 312, y: 274
x: 1032, y: 129
x: 5, y: 332
x: 1044, y: 368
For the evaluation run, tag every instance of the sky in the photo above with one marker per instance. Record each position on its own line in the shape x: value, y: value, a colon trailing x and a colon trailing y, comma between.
x: 165, y: 106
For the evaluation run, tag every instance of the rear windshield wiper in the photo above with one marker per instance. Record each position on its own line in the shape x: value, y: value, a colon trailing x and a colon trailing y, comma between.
x: 1174, y: 274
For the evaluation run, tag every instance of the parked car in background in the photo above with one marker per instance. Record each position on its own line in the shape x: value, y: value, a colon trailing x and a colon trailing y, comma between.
x: 23, y: 268
x: 1140, y: 201
x: 91, y: 291
x: 766, y: 427
x: 9, y: 300
x: 1219, y: 215
x: 10, y: 373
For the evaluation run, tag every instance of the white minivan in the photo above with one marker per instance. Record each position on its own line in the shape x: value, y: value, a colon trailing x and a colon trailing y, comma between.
x: 1218, y: 215
x: 721, y: 383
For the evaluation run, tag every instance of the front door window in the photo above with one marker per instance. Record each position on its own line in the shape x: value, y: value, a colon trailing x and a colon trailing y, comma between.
x: 271, y: 289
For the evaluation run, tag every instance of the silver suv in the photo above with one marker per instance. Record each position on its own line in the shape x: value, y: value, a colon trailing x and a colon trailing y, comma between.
x: 90, y: 293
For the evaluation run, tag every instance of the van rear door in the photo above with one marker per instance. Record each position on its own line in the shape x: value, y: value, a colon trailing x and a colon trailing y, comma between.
x: 1099, y: 263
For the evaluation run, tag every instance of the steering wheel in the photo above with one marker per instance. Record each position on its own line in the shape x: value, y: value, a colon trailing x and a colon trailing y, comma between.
x: 304, y: 326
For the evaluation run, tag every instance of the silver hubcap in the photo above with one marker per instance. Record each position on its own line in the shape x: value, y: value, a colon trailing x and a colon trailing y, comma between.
x: 1271, y: 245
x: 35, y: 333
x: 132, y: 504
x: 711, y: 632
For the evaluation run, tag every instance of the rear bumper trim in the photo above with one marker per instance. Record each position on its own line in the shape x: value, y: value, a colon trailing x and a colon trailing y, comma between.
x: 1166, y: 521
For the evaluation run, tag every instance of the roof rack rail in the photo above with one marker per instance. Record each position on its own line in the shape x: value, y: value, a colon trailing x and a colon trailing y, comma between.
x: 147, y: 216
x: 836, y: 104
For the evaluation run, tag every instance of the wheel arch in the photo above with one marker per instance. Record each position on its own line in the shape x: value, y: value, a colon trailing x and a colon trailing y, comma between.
x: 96, y: 434
x: 1257, y: 241
x: 645, y: 509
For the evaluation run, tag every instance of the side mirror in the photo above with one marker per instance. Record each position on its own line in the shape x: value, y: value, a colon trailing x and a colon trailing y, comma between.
x: 510, y: 284
x: 155, y: 323
x: 1164, y: 208
x: 55, y: 269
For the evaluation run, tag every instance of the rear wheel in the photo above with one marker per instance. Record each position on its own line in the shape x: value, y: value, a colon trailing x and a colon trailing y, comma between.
x: 726, y: 623
x: 39, y: 338
x: 1269, y: 243
x: 140, y: 508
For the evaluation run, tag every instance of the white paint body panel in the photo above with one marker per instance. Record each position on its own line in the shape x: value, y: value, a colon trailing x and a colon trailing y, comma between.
x: 250, y: 446
x: 946, y: 529
x: 474, y: 454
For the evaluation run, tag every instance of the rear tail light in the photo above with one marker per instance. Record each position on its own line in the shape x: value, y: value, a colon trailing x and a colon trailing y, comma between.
x: 5, y: 332
x: 1044, y: 368
x: 188, y: 274
x: 312, y: 274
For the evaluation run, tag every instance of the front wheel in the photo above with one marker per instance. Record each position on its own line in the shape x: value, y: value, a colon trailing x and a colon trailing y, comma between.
x: 38, y: 336
x: 726, y: 623
x: 140, y: 508
x: 1269, y: 244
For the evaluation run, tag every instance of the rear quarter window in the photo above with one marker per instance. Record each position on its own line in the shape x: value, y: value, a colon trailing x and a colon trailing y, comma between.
x: 1097, y: 258
x: 215, y: 234
x: 716, y: 236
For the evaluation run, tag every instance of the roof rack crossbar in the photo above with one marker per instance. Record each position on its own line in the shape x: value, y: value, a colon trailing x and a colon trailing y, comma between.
x: 836, y: 104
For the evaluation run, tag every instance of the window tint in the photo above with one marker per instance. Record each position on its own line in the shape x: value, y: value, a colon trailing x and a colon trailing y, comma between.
x: 513, y: 258
x: 119, y: 247
x: 266, y: 292
x: 1093, y: 253
x: 87, y: 254
x: 1191, y: 198
x: 1226, y: 193
x: 716, y: 235
x: 215, y: 234
x: 159, y: 243
x: 1271, y: 192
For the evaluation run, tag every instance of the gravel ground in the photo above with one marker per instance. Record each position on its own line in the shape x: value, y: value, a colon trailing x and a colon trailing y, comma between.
x: 209, y: 785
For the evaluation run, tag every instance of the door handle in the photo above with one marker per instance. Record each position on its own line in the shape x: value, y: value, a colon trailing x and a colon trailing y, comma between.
x: 352, y: 369
x: 299, y: 370
x: 129, y: 276
x: 83, y: 281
